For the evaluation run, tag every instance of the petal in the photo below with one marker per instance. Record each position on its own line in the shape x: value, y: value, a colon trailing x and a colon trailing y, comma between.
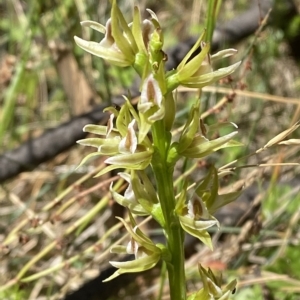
x: 202, y: 235
x: 138, y: 235
x: 134, y: 160
x: 93, y: 142
x: 193, y: 65
x: 150, y: 95
x: 190, y: 129
x: 226, y: 296
x: 110, y: 125
x: 224, y: 199
x: 96, y: 129
x: 138, y: 265
x: 110, y: 147
x: 125, y: 42
x: 197, y: 225
x: 132, y: 248
x: 158, y: 115
x: 191, y: 52
x: 129, y: 198
x: 132, y: 205
x: 108, y: 40
x: 118, y: 249
x: 140, y: 31
x: 197, y: 209
x: 223, y: 53
x: 94, y: 25
x: 203, y: 80
x: 147, y: 30
x: 85, y: 159
x: 200, y: 147
x: 129, y: 143
x: 214, y: 289
x: 113, y: 56
x: 129, y: 194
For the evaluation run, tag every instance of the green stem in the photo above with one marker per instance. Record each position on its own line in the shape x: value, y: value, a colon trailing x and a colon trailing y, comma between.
x: 213, y: 10
x: 173, y: 231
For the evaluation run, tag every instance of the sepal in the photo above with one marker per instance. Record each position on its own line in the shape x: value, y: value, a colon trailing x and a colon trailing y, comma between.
x: 190, y: 129
x: 201, y: 146
x: 208, y: 188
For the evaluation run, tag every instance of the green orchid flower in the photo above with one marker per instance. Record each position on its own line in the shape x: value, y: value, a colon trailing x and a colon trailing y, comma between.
x: 146, y: 195
x: 212, y: 287
x: 140, y: 141
x: 123, y: 149
x: 151, y: 106
x: 202, y: 146
x: 147, y: 255
x: 123, y: 44
x: 193, y: 141
x: 128, y: 199
x: 208, y: 188
x: 197, y: 72
x: 194, y: 217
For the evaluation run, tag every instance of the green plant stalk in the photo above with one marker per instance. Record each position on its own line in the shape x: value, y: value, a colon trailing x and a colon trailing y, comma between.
x: 8, y: 285
x: 10, y: 98
x: 173, y: 231
x: 35, y: 259
x: 9, y: 103
x: 213, y: 10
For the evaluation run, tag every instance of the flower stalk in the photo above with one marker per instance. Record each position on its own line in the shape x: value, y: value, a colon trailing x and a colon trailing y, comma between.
x: 140, y: 139
x: 163, y: 172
